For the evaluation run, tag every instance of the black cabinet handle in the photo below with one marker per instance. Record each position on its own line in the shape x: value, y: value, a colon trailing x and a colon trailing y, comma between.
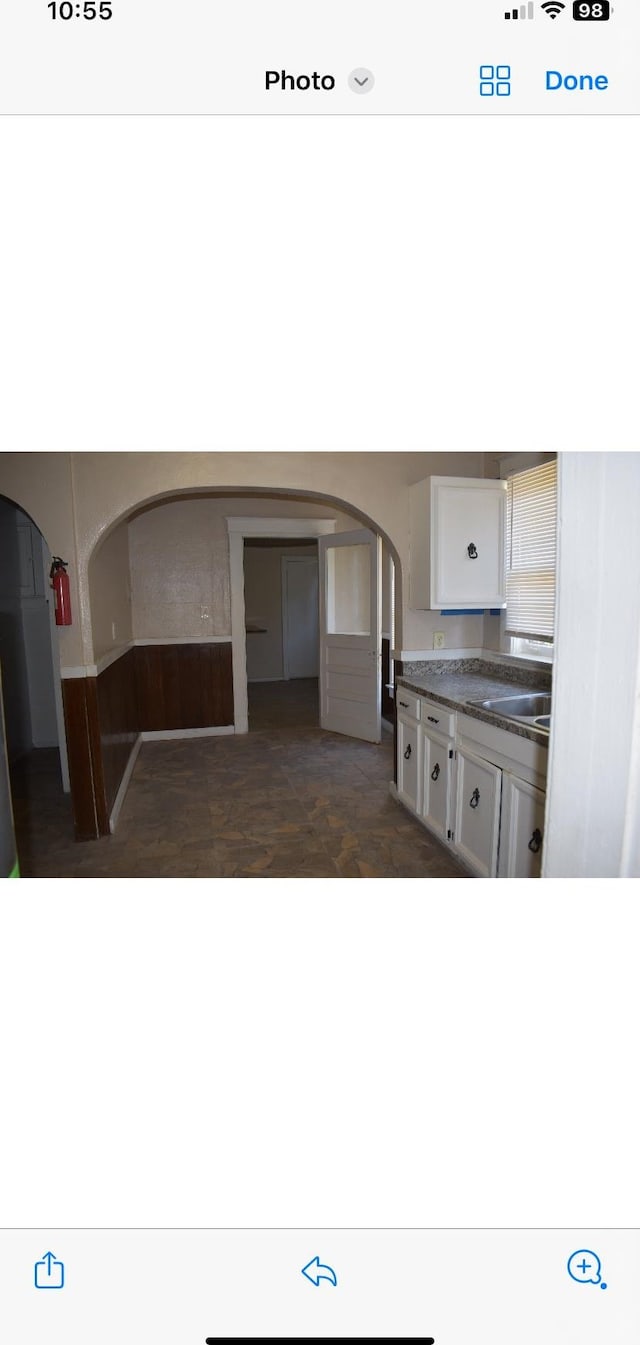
x: 432, y: 719
x: 536, y: 841
x: 404, y: 704
x: 435, y: 772
x: 475, y: 799
x: 472, y: 551
x: 407, y: 753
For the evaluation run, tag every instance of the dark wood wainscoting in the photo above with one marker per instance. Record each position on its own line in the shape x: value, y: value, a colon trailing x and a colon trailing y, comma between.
x: 79, y: 709
x: 149, y: 688
x: 184, y: 686
x: 117, y: 713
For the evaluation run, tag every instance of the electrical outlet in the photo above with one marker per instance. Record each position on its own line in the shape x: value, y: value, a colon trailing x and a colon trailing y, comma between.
x: 438, y: 639
x: 204, y: 613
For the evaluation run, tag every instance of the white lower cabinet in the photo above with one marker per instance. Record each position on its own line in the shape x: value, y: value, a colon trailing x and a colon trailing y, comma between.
x: 477, y: 787
x: 521, y: 828
x: 437, y: 772
x: 409, y: 782
x: 477, y: 819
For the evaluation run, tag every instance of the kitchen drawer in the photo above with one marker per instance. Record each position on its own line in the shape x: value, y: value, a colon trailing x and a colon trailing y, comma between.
x: 437, y: 717
x: 408, y: 703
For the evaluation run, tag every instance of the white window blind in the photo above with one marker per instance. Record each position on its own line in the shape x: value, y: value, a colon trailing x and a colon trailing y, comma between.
x: 531, y: 552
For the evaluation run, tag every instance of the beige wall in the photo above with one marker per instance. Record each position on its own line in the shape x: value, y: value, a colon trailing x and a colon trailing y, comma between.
x: 180, y: 567
x: 89, y: 492
x: 179, y: 554
x: 41, y: 484
x: 110, y: 593
x: 374, y: 484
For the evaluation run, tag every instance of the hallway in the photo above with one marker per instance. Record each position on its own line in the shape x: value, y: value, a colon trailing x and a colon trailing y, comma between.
x: 279, y: 802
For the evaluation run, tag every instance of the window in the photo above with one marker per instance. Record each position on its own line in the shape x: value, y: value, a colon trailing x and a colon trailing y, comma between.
x: 531, y: 560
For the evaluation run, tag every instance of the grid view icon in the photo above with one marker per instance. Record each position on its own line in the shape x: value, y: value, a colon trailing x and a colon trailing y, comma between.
x: 495, y: 81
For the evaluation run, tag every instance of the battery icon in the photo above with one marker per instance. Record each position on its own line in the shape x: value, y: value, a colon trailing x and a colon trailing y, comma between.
x: 595, y: 11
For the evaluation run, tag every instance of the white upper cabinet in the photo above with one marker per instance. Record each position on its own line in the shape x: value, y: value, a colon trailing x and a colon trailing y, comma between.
x: 457, y: 543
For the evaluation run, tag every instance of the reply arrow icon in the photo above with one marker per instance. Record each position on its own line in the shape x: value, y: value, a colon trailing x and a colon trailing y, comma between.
x: 315, y: 1271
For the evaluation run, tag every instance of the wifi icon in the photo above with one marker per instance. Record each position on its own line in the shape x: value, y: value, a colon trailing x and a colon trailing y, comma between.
x: 553, y: 8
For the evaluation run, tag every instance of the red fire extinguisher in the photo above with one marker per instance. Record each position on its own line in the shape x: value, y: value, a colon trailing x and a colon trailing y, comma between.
x: 60, y: 585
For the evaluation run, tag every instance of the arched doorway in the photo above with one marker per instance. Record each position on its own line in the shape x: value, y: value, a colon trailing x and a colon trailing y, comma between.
x: 166, y: 606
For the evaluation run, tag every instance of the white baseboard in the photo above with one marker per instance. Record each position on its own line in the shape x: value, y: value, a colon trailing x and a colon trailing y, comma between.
x: 124, y: 783
x: 162, y: 735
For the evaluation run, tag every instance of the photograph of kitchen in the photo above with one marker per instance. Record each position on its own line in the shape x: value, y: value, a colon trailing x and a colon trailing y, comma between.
x: 313, y: 665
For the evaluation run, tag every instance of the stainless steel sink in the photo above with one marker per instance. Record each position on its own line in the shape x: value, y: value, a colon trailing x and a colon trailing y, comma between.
x: 530, y: 707
x: 529, y: 703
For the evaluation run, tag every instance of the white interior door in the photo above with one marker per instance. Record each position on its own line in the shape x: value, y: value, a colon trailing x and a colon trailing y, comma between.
x: 350, y: 634
x: 300, y: 616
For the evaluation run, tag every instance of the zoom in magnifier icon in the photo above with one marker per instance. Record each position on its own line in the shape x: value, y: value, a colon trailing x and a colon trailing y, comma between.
x: 584, y: 1267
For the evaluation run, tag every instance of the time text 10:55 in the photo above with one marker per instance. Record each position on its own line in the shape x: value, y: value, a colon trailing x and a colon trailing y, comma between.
x: 89, y: 9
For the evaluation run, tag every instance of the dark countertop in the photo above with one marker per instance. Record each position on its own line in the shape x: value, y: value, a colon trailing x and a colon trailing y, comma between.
x: 456, y: 688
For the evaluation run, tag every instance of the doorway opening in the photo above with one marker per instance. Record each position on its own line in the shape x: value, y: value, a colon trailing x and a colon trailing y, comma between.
x: 349, y: 618
x: 282, y: 631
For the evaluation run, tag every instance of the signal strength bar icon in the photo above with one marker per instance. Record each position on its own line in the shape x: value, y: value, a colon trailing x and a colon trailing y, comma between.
x: 522, y: 12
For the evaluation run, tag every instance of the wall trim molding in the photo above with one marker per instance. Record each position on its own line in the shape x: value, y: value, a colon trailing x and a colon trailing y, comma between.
x: 94, y: 669
x: 183, y: 639
x: 124, y: 784
x: 404, y: 655
x: 162, y: 735
x: 105, y: 661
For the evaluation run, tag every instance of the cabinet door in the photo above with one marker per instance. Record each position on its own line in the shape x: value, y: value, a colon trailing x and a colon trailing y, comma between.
x: 477, y: 821
x: 437, y: 762
x: 409, y: 763
x: 522, y: 828
x: 467, y: 543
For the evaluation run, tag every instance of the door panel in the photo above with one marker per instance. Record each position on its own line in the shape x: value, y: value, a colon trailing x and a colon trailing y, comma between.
x: 522, y: 829
x: 409, y: 762
x: 466, y: 515
x: 478, y: 813
x: 436, y: 777
x: 350, y: 634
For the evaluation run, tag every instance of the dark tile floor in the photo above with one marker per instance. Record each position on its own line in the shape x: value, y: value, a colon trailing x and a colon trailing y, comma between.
x: 286, y: 800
